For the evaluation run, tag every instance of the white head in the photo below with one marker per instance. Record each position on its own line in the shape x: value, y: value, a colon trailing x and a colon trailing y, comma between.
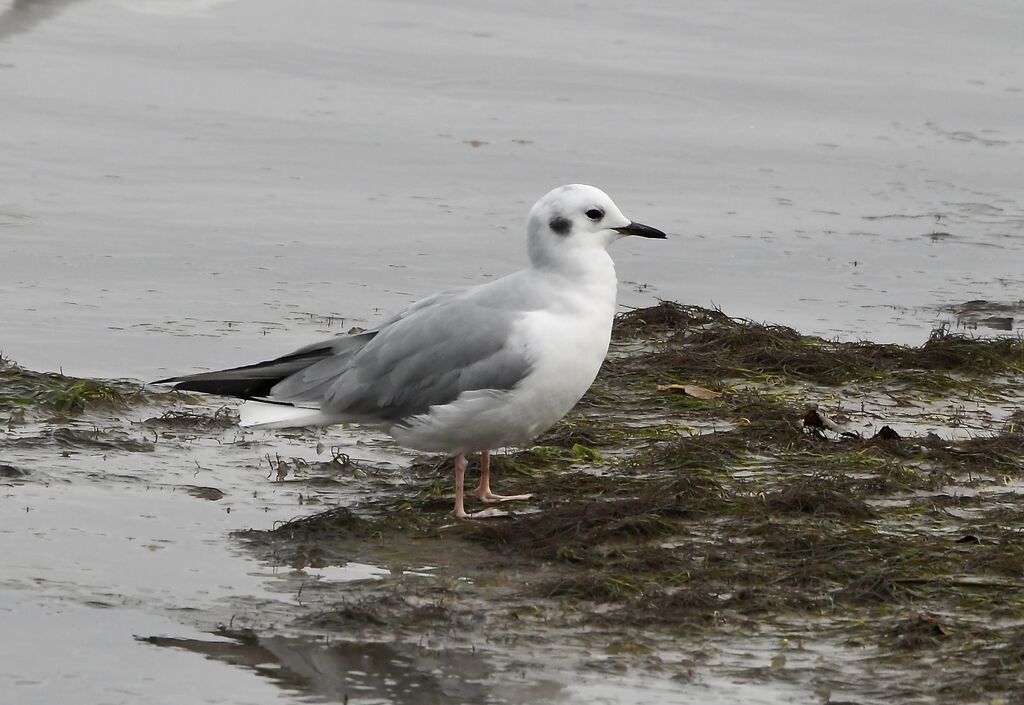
x: 571, y: 221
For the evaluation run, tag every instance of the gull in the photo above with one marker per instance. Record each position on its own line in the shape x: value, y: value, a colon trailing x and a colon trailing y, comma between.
x: 466, y: 370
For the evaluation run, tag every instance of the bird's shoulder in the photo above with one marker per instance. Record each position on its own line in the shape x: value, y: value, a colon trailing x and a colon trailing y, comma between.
x: 497, y: 301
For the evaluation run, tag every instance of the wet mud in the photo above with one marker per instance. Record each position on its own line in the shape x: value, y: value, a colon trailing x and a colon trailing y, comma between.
x: 734, y: 511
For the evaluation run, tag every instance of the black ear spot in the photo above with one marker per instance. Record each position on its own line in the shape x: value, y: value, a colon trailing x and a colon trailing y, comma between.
x: 560, y: 225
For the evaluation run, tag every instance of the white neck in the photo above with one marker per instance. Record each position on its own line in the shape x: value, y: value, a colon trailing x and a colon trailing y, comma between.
x: 583, y: 266
x: 584, y: 282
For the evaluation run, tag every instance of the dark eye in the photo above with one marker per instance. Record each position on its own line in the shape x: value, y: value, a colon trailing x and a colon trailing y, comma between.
x: 595, y: 214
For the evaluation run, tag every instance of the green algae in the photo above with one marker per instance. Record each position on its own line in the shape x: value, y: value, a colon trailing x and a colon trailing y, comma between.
x: 26, y: 391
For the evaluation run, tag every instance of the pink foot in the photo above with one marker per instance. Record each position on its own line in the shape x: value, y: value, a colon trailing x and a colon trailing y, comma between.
x: 483, y: 490
x: 484, y: 494
x: 484, y: 514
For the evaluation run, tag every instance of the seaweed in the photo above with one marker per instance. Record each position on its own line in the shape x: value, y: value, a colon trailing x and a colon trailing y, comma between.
x: 850, y: 493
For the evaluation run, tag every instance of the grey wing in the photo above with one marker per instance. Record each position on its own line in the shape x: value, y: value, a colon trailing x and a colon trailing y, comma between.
x: 428, y: 355
x: 257, y: 380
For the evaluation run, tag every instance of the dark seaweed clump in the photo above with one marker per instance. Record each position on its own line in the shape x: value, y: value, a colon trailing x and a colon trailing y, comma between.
x: 702, y: 517
x: 705, y: 344
x: 25, y: 391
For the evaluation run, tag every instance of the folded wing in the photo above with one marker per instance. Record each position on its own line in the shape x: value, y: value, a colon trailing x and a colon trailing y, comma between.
x: 429, y: 355
x: 454, y: 342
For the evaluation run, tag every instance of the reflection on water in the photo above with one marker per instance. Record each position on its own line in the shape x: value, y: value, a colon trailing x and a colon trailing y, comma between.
x: 992, y: 315
x: 23, y: 15
x: 344, y: 671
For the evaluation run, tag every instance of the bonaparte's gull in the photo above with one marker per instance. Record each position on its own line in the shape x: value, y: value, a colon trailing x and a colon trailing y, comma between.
x: 465, y: 370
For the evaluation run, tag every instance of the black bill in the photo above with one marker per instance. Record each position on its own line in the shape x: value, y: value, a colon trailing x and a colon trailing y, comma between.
x: 642, y: 231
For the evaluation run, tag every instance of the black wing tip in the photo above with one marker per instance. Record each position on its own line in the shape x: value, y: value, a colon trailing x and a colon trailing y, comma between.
x: 250, y: 381
x: 238, y: 388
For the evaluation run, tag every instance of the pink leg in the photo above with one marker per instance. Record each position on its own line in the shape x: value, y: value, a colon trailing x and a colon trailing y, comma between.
x: 483, y: 490
x: 460, y: 478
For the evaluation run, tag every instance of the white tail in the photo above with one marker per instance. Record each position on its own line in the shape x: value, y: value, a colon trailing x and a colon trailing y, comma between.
x: 254, y: 414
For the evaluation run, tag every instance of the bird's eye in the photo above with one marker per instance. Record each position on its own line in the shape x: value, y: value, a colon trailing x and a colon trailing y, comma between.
x: 595, y: 214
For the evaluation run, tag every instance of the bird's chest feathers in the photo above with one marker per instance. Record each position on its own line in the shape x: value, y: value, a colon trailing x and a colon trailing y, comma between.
x: 568, y: 345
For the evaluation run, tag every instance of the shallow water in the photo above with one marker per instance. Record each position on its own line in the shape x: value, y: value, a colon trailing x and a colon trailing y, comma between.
x: 120, y: 576
x: 187, y: 185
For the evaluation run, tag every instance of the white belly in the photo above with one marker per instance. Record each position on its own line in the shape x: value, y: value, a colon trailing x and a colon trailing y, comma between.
x: 567, y: 348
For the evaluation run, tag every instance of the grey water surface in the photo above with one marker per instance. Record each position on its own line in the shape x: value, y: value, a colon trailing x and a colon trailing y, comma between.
x: 183, y: 181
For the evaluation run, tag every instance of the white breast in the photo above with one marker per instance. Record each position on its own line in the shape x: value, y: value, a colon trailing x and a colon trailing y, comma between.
x: 566, y: 341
